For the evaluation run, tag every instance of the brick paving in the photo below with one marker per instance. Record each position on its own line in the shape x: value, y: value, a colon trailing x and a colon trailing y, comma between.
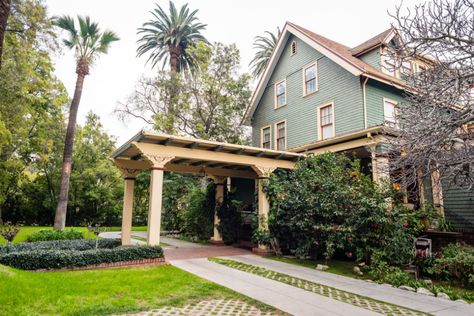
x: 203, y: 252
x: 226, y: 307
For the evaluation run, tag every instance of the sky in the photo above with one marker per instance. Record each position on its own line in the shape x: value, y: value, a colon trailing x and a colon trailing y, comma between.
x: 113, y: 77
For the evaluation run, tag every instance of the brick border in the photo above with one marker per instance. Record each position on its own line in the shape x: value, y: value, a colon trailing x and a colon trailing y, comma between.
x: 111, y: 265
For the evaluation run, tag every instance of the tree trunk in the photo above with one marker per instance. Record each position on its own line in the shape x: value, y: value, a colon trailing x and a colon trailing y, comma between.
x: 174, y: 57
x: 4, y: 13
x: 60, y: 219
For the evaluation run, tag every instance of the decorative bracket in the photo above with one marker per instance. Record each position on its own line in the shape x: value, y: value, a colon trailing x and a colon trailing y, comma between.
x: 263, y: 171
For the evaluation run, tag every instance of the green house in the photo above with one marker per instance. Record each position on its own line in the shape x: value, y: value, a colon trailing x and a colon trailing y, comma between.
x: 317, y: 95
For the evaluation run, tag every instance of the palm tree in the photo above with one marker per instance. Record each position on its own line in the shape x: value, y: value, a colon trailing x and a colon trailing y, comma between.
x: 4, y: 13
x: 88, y: 43
x: 167, y: 37
x: 264, y: 46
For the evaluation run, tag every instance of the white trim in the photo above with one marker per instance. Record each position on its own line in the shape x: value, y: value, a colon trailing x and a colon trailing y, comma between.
x: 315, y: 63
x: 318, y: 119
x: 395, y: 103
x: 276, y: 134
x: 261, y: 136
x: 275, y: 100
x: 364, y: 96
x: 291, y: 48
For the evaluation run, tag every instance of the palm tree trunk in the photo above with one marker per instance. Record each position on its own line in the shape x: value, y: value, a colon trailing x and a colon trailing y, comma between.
x: 4, y: 13
x: 61, y: 210
x: 174, y: 56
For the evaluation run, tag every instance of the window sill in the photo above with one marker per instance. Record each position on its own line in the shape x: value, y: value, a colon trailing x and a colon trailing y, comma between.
x: 279, y: 107
x: 309, y: 94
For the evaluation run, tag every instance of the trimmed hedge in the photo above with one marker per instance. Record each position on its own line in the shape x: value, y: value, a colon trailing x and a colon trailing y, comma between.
x: 78, y: 244
x: 50, y: 234
x: 56, y: 259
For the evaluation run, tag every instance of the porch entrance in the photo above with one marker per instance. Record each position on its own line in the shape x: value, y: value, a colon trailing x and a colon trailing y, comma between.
x: 219, y: 161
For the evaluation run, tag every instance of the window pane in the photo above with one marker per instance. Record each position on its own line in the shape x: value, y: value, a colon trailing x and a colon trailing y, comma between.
x: 327, y: 132
x: 280, y: 88
x: 389, y: 112
x: 310, y: 73
x: 281, y: 93
x: 281, y: 127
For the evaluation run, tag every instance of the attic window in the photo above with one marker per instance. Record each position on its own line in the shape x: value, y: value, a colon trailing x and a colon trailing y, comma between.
x: 293, y: 48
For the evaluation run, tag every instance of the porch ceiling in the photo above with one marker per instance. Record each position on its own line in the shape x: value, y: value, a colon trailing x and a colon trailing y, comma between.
x: 184, y: 154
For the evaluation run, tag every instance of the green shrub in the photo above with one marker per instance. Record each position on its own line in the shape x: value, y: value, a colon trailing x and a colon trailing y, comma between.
x: 198, y: 213
x: 326, y: 206
x: 381, y: 271
x: 56, y: 259
x: 78, y: 244
x: 50, y: 234
x: 455, y: 263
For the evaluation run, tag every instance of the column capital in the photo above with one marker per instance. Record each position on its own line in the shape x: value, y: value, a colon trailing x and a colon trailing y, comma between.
x: 129, y: 173
x: 158, y: 161
x: 263, y: 171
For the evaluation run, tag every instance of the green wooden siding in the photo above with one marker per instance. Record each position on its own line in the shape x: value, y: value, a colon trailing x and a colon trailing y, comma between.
x: 372, y: 58
x: 459, y: 207
x: 375, y: 93
x: 335, y: 85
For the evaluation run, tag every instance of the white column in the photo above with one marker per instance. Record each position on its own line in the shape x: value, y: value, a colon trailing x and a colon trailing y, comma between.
x: 154, y: 210
x: 127, y: 210
x: 437, y: 188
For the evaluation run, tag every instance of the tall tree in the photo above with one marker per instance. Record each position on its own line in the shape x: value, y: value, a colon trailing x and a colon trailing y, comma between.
x: 167, y: 37
x: 88, y: 43
x: 4, y: 13
x: 437, y: 121
x: 264, y: 46
x: 210, y: 104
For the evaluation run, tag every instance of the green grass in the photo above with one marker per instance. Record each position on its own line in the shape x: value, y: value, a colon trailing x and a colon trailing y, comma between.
x: 134, y: 228
x: 102, y: 292
x: 25, y: 231
x: 340, y: 267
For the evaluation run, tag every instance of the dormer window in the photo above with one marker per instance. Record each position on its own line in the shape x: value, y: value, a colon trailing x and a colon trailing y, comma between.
x: 293, y: 48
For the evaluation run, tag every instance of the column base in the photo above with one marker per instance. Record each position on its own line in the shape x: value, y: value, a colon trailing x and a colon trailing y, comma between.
x: 217, y: 242
x: 263, y: 252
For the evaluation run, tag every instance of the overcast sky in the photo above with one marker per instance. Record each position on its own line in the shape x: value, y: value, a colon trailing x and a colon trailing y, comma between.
x: 113, y: 77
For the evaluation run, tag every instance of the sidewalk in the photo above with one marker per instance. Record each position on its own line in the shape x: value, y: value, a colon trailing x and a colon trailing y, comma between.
x: 420, y: 302
x: 284, y: 297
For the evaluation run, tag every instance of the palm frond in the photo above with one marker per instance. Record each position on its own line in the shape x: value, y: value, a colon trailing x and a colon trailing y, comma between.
x: 264, y: 46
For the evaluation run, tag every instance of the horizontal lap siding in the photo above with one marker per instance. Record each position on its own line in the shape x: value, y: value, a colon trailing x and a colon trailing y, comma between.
x: 459, y: 207
x: 372, y: 58
x: 375, y: 93
x: 335, y: 84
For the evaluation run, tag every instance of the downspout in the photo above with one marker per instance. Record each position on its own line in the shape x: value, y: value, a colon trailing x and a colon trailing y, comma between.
x: 364, y: 100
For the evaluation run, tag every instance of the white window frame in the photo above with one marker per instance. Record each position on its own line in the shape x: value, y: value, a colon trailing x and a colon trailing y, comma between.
x: 315, y: 64
x: 395, y: 104
x: 318, y: 117
x: 276, y: 135
x: 262, y: 135
x: 276, y: 96
x: 293, y: 43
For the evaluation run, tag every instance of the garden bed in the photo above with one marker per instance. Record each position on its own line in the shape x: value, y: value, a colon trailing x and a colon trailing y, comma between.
x: 74, y: 254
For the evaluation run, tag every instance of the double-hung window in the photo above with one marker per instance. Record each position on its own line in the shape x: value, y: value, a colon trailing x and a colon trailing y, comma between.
x: 310, y: 79
x: 266, y: 137
x: 280, y: 93
x: 281, y: 136
x: 326, y: 121
x: 390, y: 112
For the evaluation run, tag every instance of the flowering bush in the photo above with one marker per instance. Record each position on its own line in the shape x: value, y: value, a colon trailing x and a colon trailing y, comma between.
x: 327, y: 207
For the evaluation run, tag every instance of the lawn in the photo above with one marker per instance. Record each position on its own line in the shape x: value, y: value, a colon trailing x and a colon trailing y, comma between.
x: 27, y: 230
x: 102, y: 292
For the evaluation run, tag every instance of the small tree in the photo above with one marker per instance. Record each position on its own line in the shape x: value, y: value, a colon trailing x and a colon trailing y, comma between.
x: 9, y: 231
x: 436, y: 122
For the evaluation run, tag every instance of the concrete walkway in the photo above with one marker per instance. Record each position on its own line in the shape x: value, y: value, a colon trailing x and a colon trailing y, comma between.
x: 284, y: 297
x: 420, y: 302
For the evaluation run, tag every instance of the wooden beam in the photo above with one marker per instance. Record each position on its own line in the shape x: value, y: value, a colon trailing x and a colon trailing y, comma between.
x: 218, y: 148
x: 345, y: 146
x: 166, y: 141
x: 150, y: 150
x: 192, y: 145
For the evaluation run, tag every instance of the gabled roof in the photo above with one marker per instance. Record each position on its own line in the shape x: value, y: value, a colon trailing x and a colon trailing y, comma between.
x: 380, y: 39
x: 337, y: 52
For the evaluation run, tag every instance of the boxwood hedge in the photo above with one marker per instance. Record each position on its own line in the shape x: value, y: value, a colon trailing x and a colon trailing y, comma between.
x: 79, y: 245
x: 50, y: 234
x: 56, y: 259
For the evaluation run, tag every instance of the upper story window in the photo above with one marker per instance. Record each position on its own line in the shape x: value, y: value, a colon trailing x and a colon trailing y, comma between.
x: 326, y: 121
x: 390, y: 112
x: 281, y: 136
x: 266, y: 137
x: 407, y: 67
x: 310, y: 79
x: 280, y: 93
x: 293, y: 48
